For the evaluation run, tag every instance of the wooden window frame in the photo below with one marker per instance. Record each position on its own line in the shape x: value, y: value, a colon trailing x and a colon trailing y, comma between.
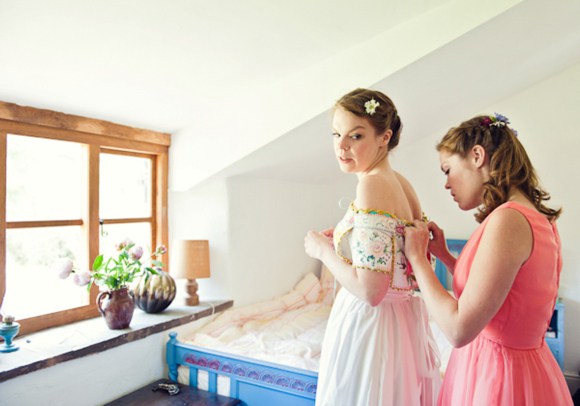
x: 97, y: 136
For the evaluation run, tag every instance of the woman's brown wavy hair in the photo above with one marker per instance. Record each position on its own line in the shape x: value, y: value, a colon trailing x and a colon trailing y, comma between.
x: 510, y: 165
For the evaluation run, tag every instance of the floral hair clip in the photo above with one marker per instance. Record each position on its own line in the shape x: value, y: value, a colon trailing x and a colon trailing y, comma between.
x: 498, y: 121
x: 371, y: 106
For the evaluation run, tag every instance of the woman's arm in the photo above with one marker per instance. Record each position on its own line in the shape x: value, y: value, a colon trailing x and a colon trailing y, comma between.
x: 369, y: 286
x: 505, y: 245
x: 438, y: 247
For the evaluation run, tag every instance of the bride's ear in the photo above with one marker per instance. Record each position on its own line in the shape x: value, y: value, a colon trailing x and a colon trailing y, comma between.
x: 386, y: 137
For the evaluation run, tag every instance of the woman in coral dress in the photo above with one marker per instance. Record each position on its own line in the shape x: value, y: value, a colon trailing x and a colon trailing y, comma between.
x: 378, y: 348
x: 506, y: 278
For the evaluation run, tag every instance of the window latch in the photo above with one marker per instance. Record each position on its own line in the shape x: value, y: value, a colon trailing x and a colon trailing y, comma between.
x: 103, y: 232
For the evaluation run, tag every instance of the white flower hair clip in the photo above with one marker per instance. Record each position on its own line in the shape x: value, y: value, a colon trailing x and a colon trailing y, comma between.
x: 371, y: 106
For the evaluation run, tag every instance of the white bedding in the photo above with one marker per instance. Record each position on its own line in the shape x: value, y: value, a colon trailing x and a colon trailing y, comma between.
x: 293, y: 338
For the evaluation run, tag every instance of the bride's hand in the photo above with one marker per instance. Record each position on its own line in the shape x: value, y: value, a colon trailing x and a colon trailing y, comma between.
x: 329, y: 233
x: 316, y: 243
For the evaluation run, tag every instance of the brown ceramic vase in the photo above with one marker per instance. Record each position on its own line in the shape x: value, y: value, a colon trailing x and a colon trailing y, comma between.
x: 117, y: 308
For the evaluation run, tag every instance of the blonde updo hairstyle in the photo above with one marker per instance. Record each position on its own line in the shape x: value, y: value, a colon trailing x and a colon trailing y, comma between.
x: 509, y: 164
x: 384, y: 118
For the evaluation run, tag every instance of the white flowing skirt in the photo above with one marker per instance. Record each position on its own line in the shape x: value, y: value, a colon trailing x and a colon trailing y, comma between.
x: 383, y: 355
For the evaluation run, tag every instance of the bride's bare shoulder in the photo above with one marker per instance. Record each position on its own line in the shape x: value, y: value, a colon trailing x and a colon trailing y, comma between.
x: 371, y: 192
x: 412, y: 197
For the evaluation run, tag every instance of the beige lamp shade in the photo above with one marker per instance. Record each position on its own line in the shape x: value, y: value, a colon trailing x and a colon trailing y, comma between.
x: 189, y: 259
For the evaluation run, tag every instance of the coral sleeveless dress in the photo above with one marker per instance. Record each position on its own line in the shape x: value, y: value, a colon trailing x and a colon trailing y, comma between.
x: 382, y: 355
x: 509, y: 363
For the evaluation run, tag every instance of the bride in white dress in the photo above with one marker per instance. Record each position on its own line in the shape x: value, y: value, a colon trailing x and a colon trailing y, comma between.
x: 378, y: 348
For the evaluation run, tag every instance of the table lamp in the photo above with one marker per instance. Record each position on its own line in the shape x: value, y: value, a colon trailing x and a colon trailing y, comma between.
x: 190, y: 260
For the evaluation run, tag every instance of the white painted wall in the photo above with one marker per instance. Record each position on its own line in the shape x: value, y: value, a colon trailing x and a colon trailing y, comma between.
x: 268, y: 223
x: 545, y: 116
x: 202, y: 213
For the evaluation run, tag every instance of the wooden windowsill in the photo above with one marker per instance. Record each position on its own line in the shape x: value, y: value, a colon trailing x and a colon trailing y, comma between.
x: 52, y: 346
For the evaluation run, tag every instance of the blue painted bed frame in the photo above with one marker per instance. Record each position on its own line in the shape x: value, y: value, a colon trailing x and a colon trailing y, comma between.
x: 254, y: 382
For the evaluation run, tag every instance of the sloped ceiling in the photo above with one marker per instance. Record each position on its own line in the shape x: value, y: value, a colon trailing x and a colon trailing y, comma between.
x: 523, y: 46
x: 234, y: 81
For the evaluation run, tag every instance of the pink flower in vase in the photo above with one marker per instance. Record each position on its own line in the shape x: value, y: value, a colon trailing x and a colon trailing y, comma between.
x: 63, y: 267
x: 135, y: 253
x: 126, y: 243
x: 82, y: 278
x: 161, y: 250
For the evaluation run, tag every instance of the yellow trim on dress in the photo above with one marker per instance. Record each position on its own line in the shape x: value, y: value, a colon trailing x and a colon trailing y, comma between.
x: 382, y: 212
x: 355, y: 209
x: 345, y: 259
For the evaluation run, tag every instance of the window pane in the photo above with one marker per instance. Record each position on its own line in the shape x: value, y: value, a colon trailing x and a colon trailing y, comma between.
x: 139, y: 233
x: 125, y: 186
x: 32, y: 289
x: 43, y: 179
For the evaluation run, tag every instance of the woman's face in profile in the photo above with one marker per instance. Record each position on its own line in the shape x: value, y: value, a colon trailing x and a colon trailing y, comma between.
x: 356, y: 144
x: 464, y: 180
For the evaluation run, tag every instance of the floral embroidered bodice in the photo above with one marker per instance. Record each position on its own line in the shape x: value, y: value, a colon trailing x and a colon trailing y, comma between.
x: 374, y: 240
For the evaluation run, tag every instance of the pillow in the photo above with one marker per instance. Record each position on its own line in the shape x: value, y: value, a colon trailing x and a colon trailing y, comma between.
x: 219, y: 325
x: 293, y: 300
x: 309, y: 287
x: 237, y: 317
x: 306, y: 291
x: 261, y: 310
x: 327, y: 286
